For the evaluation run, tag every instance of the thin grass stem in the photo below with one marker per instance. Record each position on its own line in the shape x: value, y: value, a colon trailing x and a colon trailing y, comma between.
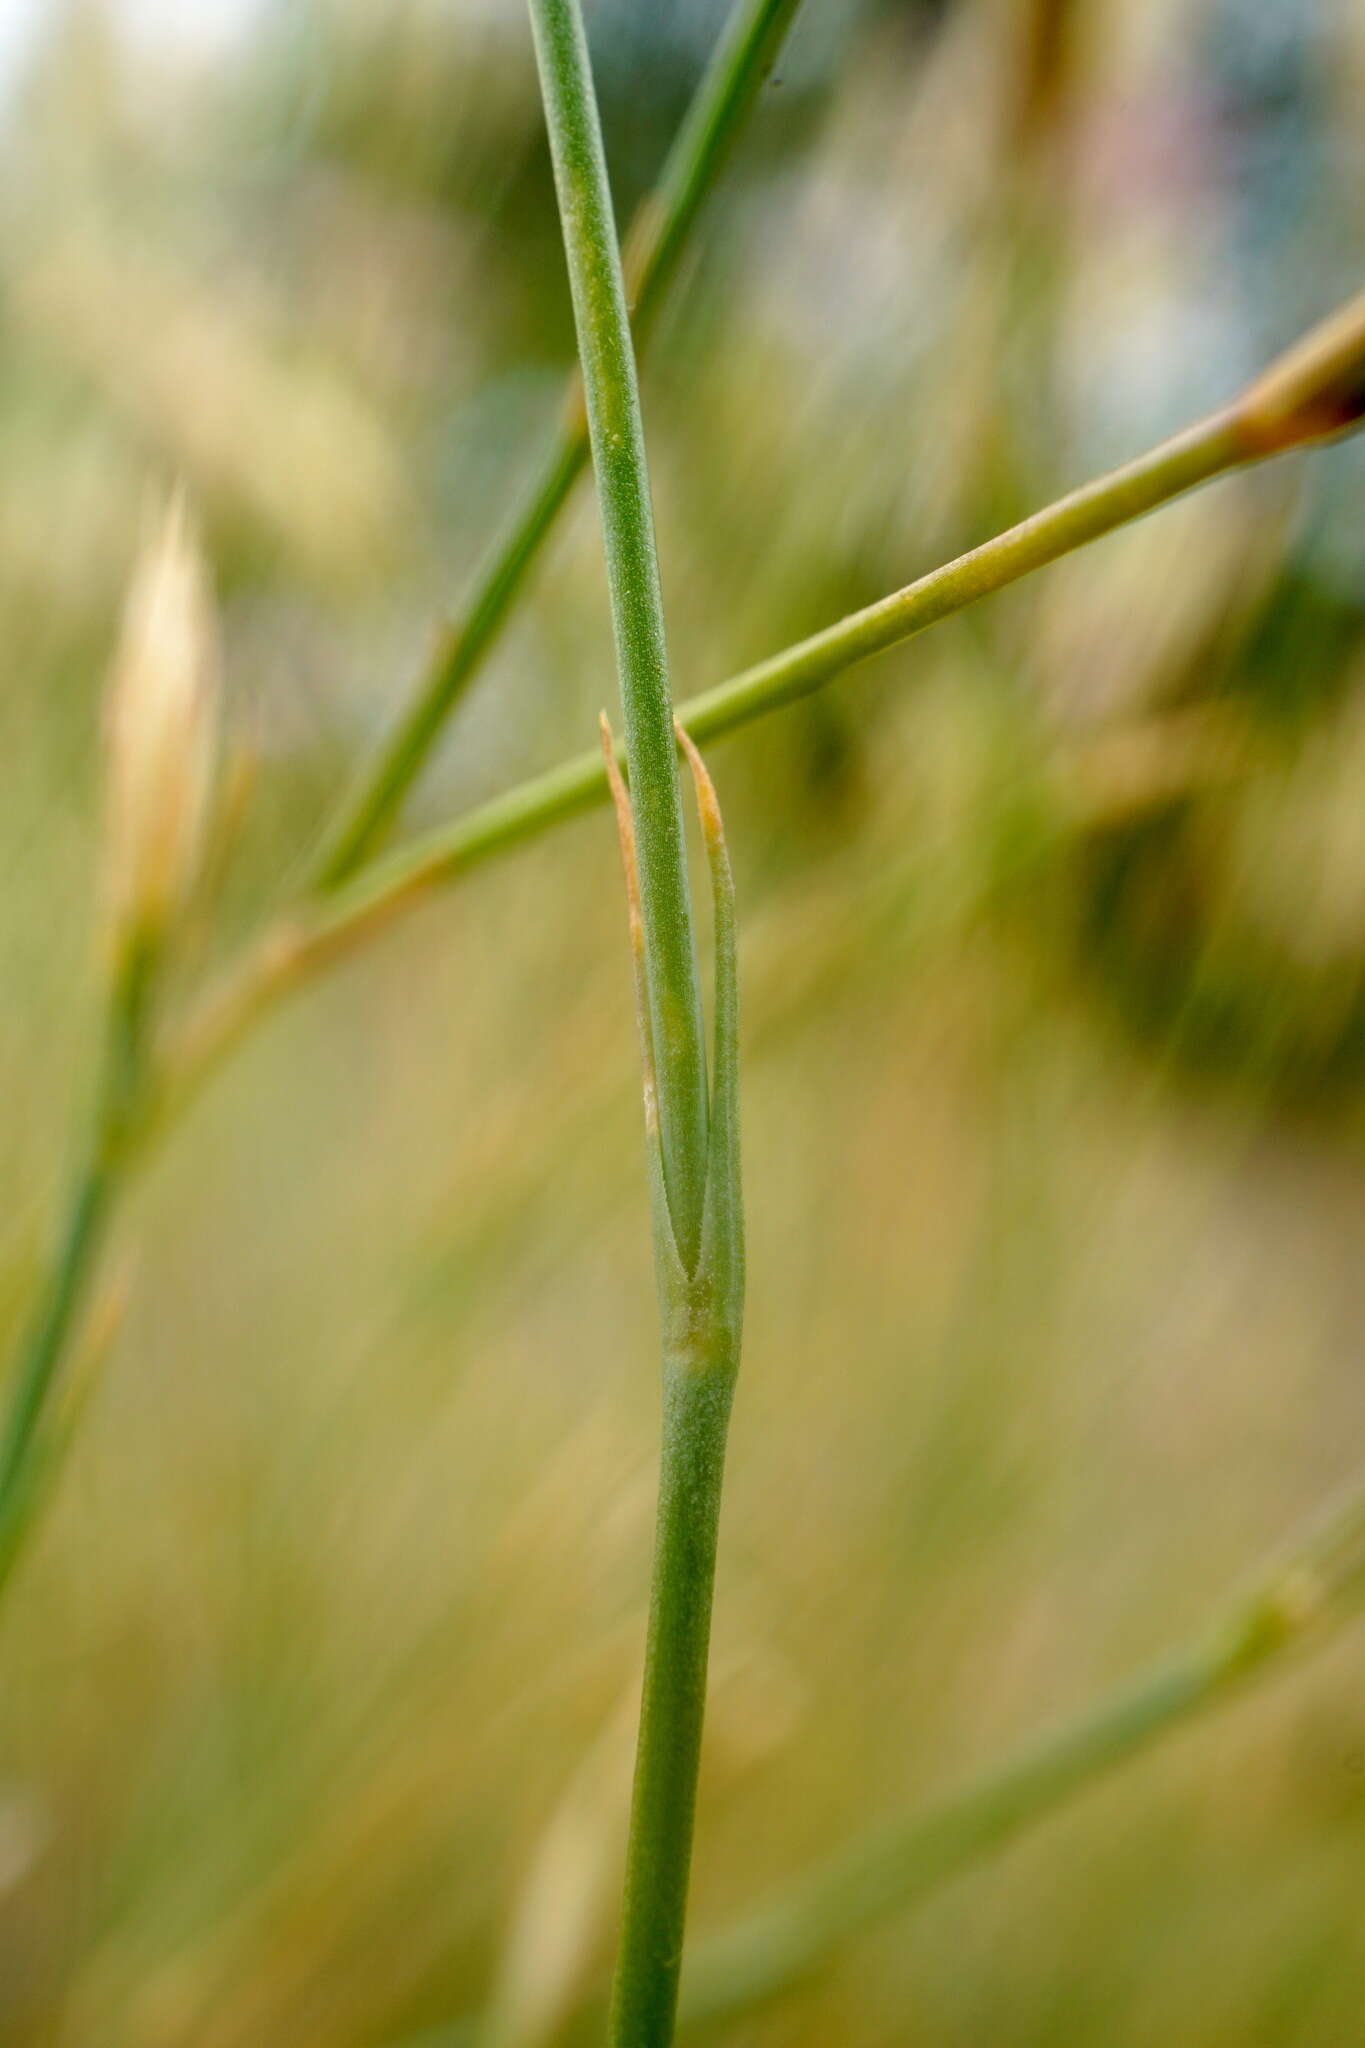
x: 89, y: 1207
x: 618, y: 451
x: 1313, y: 1587
x: 691, y: 1128
x: 1310, y: 1591
x: 312, y: 936
x: 697, y: 1399
x: 657, y: 237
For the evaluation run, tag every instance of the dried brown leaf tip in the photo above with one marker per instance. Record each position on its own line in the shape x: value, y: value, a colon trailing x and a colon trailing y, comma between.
x: 708, y: 803
x: 625, y: 832
x: 1315, y: 390
x: 161, y: 731
x: 720, y: 1268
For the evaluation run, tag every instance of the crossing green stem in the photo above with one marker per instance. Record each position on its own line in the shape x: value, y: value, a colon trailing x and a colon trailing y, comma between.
x: 1314, y: 1586
x: 313, y: 935
x: 1313, y: 1589
x: 657, y: 237
x: 1315, y: 389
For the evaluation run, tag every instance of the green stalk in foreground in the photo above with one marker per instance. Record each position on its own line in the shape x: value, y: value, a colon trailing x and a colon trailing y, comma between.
x: 701, y: 1313
x: 741, y: 61
x: 1314, y: 1586
x: 692, y: 1131
x: 1315, y: 391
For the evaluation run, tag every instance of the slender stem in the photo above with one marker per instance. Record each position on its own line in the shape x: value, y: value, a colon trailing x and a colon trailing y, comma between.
x: 1312, y: 1590
x: 89, y: 1207
x: 658, y: 234
x: 618, y: 450
x: 1315, y: 1586
x: 366, y: 815
x: 78, y: 1246
x: 701, y: 1312
x: 691, y: 1132
x: 313, y: 936
x: 673, y: 1703
x: 1313, y: 390
x: 1201, y: 452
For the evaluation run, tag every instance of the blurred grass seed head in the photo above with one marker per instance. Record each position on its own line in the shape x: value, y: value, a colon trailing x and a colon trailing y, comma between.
x: 162, y: 731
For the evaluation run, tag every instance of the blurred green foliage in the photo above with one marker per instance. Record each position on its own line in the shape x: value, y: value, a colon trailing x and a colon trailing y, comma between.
x: 1052, y: 951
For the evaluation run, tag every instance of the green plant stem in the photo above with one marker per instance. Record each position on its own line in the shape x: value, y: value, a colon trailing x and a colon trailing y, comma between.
x: 1310, y: 392
x: 701, y: 1310
x: 1193, y: 457
x: 312, y: 936
x: 1315, y: 1585
x: 618, y: 451
x: 78, y: 1247
x: 1312, y: 1589
x: 658, y: 1859
x: 691, y: 1129
x: 658, y: 234
x: 89, y: 1208
x: 369, y: 811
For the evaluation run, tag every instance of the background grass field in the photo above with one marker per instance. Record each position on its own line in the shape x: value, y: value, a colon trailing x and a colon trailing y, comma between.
x: 315, y: 1721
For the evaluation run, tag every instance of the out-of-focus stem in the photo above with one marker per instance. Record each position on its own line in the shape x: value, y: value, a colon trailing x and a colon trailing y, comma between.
x: 65, y: 1407
x: 91, y: 1203
x: 1314, y: 1586
x: 1312, y: 1589
x: 313, y: 935
x: 1280, y: 410
x: 656, y: 240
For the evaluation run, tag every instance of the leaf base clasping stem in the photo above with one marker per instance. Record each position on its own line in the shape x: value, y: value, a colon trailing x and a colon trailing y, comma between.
x: 701, y: 1311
